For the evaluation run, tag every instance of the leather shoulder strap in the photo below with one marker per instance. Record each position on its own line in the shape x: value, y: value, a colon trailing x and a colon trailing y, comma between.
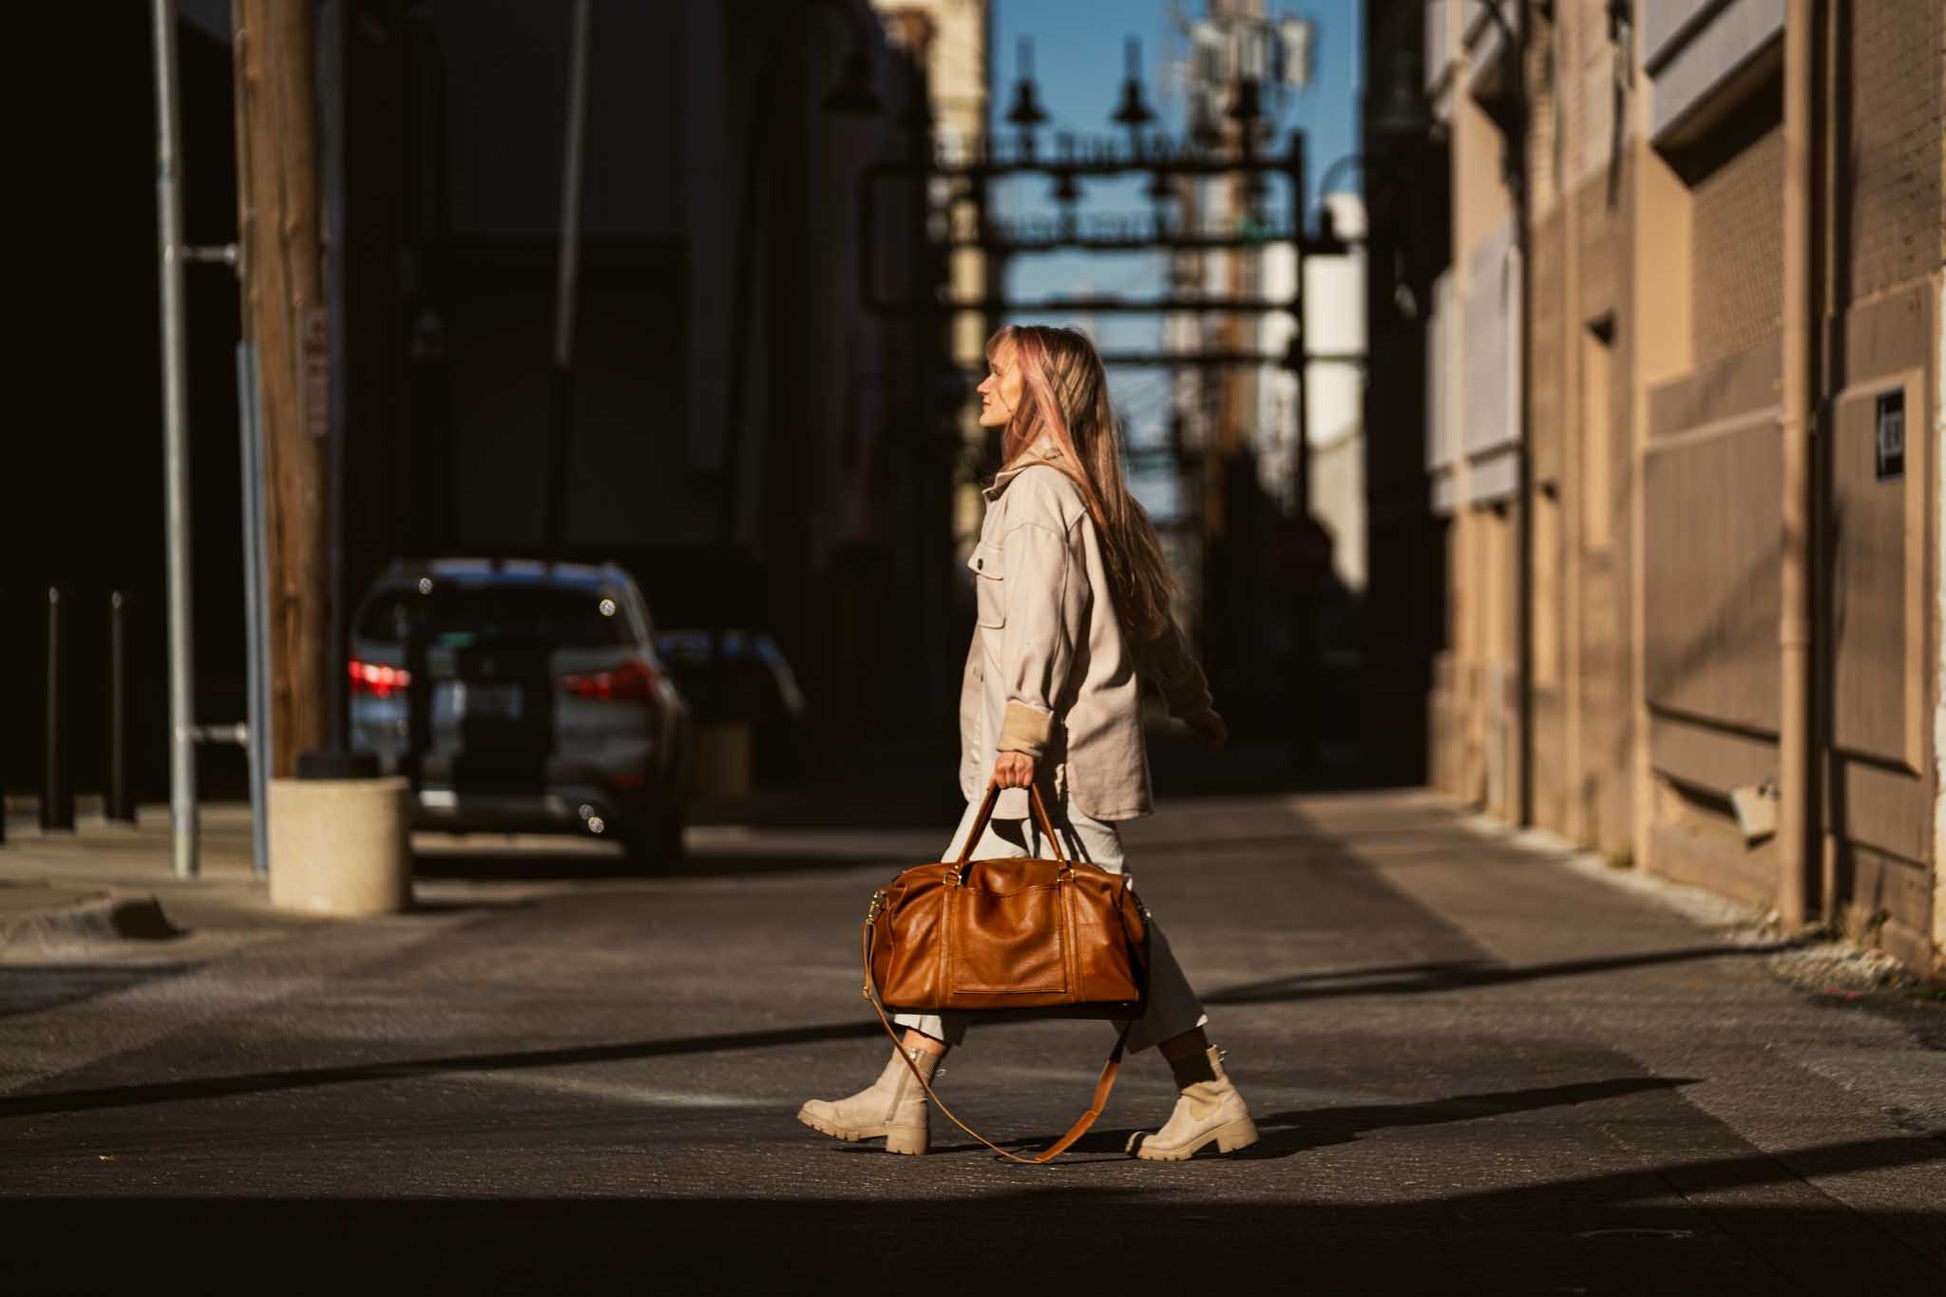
x: 1104, y: 1084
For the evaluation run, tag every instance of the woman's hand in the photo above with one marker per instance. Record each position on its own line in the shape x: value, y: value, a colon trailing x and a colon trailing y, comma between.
x: 1209, y: 727
x: 1013, y: 770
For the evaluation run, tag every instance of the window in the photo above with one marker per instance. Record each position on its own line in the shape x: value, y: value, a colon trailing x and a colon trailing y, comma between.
x: 456, y: 616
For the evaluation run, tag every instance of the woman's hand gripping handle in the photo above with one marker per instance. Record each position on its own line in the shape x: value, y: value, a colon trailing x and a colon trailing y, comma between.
x: 1013, y: 770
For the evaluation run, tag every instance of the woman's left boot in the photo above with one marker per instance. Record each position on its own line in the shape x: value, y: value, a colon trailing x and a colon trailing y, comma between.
x: 894, y: 1106
x: 1209, y: 1111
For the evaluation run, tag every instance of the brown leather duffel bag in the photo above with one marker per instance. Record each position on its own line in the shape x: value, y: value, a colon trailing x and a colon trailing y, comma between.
x: 1010, y: 938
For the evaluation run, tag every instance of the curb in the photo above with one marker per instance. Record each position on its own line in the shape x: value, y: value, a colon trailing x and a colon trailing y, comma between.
x: 97, y: 918
x: 1812, y: 960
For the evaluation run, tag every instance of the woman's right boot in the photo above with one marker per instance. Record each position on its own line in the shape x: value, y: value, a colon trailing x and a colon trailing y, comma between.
x: 893, y: 1106
x: 1210, y: 1111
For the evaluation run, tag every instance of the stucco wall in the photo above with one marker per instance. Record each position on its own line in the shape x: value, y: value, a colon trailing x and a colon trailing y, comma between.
x: 1712, y: 492
x: 1896, y: 126
x: 1491, y: 310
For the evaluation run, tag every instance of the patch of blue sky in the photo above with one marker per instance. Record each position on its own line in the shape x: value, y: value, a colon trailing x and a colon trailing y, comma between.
x: 1078, y: 66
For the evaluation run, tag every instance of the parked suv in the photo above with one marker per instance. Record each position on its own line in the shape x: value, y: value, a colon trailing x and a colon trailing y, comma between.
x: 521, y: 696
x: 758, y: 686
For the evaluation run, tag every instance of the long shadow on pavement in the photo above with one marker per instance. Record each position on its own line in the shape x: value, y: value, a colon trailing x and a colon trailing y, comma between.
x: 1300, y: 1130
x: 124, y: 1096
x: 1624, y: 1232
x: 32, y: 988
x: 1432, y: 977
x: 1460, y: 975
x: 1286, y: 1133
x: 1279, y: 990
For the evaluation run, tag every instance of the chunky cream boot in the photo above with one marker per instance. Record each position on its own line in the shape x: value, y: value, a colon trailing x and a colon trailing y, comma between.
x: 893, y: 1106
x: 1210, y: 1109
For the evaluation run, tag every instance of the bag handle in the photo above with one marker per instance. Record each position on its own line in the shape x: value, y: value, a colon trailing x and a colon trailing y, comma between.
x: 1104, y: 1084
x: 1041, y: 818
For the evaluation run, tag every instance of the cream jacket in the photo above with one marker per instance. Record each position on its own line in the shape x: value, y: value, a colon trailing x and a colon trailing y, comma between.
x: 1050, y: 671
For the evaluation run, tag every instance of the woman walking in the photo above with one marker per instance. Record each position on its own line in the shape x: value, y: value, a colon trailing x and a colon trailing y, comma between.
x: 1073, y: 598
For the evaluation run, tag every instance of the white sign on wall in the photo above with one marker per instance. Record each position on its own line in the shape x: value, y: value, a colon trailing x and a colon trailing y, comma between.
x: 1890, y: 439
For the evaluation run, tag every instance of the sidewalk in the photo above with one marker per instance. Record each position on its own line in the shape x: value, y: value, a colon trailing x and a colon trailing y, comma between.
x: 108, y: 888
x: 111, y: 882
x: 105, y: 881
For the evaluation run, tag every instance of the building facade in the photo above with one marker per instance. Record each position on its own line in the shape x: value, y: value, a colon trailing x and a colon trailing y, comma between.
x: 950, y: 40
x: 1675, y: 563
x: 746, y: 434
x: 717, y: 166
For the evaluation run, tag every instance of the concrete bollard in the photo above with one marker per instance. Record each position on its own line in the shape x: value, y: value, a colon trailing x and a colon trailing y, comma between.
x: 57, y: 790
x: 118, y: 798
x: 339, y: 846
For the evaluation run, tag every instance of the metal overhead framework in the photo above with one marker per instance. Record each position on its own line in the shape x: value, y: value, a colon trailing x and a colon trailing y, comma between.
x: 1155, y: 156
x: 967, y: 175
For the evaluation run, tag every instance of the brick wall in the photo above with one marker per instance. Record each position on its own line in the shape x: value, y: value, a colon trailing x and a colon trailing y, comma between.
x: 1737, y: 250
x: 1896, y: 232
x: 1587, y: 90
x: 1543, y: 74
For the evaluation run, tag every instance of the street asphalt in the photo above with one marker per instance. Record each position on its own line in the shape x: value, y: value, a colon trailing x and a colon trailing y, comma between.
x: 1477, y: 1069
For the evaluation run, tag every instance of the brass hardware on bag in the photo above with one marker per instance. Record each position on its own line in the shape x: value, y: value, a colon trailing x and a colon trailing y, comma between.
x: 871, y: 915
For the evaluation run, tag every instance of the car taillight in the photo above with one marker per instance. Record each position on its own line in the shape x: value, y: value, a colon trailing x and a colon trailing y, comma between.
x: 631, y: 682
x: 377, y: 679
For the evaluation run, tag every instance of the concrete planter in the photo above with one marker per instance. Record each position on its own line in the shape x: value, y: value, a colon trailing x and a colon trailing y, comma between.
x: 339, y: 846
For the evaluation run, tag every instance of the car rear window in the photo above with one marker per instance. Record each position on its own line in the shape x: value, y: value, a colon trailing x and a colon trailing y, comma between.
x: 496, y: 614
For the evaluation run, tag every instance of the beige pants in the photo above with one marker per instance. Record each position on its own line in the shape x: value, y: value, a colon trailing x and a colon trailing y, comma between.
x: 1173, y: 1006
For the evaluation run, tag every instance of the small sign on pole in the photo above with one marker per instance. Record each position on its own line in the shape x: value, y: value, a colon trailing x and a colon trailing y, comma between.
x: 1890, y: 438
x: 315, y: 348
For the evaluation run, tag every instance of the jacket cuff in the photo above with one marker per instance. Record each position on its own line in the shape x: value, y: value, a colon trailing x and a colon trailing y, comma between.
x: 1025, y: 730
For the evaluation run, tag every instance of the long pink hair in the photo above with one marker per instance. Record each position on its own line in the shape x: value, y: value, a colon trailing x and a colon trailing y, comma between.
x: 1064, y: 400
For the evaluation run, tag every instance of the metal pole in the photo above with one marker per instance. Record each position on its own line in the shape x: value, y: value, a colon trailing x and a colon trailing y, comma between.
x: 1304, y: 748
x: 562, y: 424
x: 57, y: 791
x: 255, y: 603
x: 4, y: 747
x: 742, y: 323
x: 922, y: 387
x: 1299, y: 200
x: 1517, y: 34
x: 119, y: 802
x: 175, y: 448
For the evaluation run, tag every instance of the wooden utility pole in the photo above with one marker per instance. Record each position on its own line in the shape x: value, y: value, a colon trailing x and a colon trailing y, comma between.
x: 284, y: 319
